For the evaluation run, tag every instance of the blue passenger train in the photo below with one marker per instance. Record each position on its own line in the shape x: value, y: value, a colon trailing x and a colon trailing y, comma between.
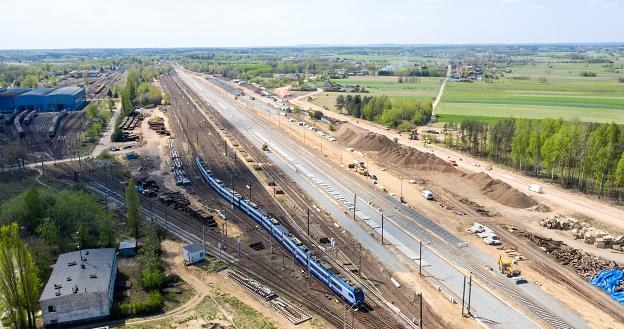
x: 352, y: 295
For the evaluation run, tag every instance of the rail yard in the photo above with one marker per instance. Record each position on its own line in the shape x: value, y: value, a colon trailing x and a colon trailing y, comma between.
x: 305, y: 188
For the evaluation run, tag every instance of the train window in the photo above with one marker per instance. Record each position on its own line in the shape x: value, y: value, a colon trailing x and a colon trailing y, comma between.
x: 351, y: 295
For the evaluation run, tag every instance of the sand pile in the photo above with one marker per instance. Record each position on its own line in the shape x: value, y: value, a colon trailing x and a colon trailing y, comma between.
x: 501, y: 191
x: 412, y: 158
x: 390, y: 152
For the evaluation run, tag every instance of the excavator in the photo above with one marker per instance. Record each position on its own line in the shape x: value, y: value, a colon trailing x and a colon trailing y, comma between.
x: 265, y: 147
x: 505, y: 266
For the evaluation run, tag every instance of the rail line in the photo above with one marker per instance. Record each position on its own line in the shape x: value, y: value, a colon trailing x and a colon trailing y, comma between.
x: 180, y: 224
x: 297, y: 199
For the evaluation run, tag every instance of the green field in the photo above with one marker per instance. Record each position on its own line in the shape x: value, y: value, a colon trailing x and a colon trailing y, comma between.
x: 564, y: 94
x: 422, y: 88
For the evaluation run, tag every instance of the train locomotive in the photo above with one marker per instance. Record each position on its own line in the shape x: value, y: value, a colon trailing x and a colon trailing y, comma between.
x: 354, y: 296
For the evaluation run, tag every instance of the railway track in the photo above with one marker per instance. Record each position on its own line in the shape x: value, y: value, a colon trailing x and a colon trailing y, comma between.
x: 245, y: 260
x: 448, y: 247
x: 268, y: 202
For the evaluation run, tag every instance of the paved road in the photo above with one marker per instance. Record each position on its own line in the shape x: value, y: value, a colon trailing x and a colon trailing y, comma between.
x: 333, y: 192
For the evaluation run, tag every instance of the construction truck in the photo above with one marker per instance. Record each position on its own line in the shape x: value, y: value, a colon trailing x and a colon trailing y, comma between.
x: 265, y: 147
x: 360, y: 167
x: 505, y: 266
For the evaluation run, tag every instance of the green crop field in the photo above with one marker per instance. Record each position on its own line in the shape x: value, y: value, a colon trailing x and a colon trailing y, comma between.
x: 422, y: 88
x: 540, y: 91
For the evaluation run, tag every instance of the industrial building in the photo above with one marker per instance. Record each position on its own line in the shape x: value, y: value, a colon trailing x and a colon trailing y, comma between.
x: 81, y: 287
x: 42, y: 99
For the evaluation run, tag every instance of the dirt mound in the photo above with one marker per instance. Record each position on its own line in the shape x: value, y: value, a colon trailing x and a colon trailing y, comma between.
x: 361, y: 139
x: 412, y: 158
x: 501, y: 191
x: 390, y: 152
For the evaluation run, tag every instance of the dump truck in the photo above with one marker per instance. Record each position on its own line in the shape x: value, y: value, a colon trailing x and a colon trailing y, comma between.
x: 505, y: 266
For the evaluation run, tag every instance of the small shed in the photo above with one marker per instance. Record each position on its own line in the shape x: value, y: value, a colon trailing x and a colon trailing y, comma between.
x: 193, y: 253
x: 127, y: 248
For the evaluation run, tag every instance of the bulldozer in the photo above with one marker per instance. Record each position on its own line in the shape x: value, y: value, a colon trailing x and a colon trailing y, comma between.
x: 265, y: 147
x: 505, y: 266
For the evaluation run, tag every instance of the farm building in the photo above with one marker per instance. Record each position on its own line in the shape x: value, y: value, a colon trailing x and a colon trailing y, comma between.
x: 42, y: 99
x: 127, y: 248
x: 193, y: 253
x: 80, y: 288
x: 7, y: 99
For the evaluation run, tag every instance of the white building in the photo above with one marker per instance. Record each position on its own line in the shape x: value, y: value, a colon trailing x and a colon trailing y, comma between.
x: 193, y: 253
x: 81, y: 287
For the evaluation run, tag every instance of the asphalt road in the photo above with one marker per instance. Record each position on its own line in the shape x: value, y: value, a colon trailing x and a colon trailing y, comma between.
x: 444, y: 263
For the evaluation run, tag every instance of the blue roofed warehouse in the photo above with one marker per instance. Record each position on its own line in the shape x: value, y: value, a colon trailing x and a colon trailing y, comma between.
x: 42, y: 99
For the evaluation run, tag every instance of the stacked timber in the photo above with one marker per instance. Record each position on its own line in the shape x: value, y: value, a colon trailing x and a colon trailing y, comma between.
x: 585, y: 264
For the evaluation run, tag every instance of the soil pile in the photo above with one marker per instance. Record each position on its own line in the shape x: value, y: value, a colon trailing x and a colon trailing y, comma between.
x: 412, y: 158
x: 501, y: 191
x: 390, y: 152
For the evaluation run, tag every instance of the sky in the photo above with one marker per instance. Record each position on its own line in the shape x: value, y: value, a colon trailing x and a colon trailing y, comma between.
x: 55, y: 24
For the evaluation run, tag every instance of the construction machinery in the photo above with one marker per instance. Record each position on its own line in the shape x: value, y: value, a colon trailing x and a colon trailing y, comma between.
x: 360, y: 167
x: 505, y: 266
x: 413, y: 135
x: 265, y: 146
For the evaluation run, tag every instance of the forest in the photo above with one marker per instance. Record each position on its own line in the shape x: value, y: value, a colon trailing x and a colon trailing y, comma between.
x: 400, y: 113
x: 585, y: 156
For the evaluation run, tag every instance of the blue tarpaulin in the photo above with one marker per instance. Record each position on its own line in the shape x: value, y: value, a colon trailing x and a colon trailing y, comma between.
x: 609, y: 280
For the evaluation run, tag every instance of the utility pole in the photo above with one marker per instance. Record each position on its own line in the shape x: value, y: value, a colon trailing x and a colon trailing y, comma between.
x: 308, y: 211
x: 469, y: 292
x: 421, y: 311
x: 420, y: 257
x: 463, y: 295
x: 360, y: 262
x: 354, y: 207
x: 382, y: 228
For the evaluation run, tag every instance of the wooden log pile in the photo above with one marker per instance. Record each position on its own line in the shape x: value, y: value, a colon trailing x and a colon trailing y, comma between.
x: 585, y: 264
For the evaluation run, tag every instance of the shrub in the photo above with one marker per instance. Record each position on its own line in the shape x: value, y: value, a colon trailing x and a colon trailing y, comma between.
x: 153, y: 305
x: 588, y: 74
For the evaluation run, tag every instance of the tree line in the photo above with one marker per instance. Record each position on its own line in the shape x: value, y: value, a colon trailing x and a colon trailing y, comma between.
x: 585, y: 156
x: 50, y: 223
x: 401, y: 114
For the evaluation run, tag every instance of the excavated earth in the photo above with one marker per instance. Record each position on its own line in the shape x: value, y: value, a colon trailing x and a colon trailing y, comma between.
x: 385, y: 150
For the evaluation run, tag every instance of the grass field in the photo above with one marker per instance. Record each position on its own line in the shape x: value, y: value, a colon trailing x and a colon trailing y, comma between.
x: 422, y: 88
x: 564, y: 94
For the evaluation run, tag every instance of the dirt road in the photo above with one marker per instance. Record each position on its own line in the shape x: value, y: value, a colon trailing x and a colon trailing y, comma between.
x: 438, y: 98
x: 555, y: 197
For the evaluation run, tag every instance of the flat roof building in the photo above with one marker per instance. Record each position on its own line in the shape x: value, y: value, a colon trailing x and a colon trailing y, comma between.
x: 42, y: 99
x: 81, y: 287
x: 193, y: 253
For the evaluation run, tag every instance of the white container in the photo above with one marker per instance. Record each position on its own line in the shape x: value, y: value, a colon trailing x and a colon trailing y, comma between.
x: 536, y: 188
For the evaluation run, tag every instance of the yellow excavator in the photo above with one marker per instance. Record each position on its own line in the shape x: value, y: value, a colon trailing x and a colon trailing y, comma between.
x: 505, y: 266
x: 265, y: 147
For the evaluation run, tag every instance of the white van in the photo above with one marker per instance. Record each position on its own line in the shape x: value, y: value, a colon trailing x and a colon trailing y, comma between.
x: 427, y: 194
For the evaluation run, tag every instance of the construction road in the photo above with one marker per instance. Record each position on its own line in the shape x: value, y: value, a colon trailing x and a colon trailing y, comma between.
x: 446, y: 260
